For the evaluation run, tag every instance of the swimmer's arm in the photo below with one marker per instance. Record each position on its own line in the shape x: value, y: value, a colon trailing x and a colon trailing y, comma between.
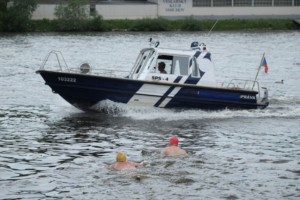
x: 164, y: 152
x: 137, y: 164
x: 111, y: 167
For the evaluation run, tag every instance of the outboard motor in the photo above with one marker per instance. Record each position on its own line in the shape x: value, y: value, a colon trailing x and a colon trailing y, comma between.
x: 265, y: 97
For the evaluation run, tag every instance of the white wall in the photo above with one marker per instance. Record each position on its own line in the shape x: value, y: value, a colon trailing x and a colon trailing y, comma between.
x: 164, y: 9
x: 44, y: 11
x: 108, y: 11
x: 186, y: 9
x: 132, y: 11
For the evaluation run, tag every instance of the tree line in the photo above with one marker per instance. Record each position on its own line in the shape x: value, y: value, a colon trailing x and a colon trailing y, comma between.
x: 15, y: 15
x: 73, y: 15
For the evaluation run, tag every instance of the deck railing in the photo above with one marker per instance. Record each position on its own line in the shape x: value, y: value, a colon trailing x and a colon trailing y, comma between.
x: 83, y: 69
x: 58, y: 55
x: 243, y: 84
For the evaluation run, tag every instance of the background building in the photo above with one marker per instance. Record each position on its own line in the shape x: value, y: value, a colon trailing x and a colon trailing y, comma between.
x: 230, y: 8
x: 138, y: 9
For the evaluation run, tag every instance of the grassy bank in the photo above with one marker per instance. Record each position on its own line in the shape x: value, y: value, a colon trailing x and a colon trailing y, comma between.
x: 160, y: 24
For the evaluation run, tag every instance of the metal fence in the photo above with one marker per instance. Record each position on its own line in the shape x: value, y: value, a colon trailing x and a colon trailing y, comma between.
x: 245, y: 3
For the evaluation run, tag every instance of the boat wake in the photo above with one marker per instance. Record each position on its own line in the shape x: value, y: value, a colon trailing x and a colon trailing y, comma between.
x: 284, y: 100
x: 119, y: 109
x: 153, y: 113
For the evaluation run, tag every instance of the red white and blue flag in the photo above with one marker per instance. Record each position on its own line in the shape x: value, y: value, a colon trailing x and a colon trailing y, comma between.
x: 264, y: 64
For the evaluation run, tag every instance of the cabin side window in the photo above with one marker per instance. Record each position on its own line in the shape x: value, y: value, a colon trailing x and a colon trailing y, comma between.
x: 180, y: 65
x: 177, y: 65
x: 167, y: 60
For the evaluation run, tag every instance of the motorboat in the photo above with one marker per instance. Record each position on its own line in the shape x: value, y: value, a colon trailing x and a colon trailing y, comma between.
x: 187, y: 81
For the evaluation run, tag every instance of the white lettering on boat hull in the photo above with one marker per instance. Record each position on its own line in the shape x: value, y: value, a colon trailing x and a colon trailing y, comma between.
x: 248, y: 97
x: 67, y: 79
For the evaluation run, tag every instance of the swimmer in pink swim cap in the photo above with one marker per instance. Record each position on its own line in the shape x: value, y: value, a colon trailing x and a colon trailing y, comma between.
x: 173, y: 149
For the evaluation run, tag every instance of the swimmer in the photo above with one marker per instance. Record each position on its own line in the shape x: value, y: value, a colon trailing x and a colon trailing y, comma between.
x: 173, y: 149
x: 122, y: 163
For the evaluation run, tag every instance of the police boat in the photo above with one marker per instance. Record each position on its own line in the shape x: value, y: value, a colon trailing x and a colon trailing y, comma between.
x: 160, y: 77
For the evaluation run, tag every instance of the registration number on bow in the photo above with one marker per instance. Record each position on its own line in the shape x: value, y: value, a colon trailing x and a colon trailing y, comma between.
x: 67, y: 79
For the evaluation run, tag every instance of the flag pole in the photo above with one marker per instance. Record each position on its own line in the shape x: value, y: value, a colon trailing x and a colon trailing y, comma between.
x: 258, y: 69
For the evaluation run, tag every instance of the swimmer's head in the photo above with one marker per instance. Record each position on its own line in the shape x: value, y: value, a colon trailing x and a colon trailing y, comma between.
x: 121, y: 157
x: 173, y: 140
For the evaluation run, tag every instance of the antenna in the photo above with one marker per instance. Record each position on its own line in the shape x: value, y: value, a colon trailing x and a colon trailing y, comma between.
x: 202, y: 44
x: 212, y: 27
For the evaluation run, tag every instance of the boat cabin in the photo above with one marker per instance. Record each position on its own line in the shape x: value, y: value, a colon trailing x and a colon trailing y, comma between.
x: 179, y: 64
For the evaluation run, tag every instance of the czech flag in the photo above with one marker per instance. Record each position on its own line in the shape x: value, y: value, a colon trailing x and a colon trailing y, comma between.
x: 264, y: 64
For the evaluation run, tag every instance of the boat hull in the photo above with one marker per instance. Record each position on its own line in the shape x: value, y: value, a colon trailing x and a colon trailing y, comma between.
x: 84, y: 91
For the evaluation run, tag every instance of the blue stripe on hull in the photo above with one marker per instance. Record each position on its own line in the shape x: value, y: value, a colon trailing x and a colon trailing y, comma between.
x: 89, y: 90
x: 191, y: 80
x: 168, y: 92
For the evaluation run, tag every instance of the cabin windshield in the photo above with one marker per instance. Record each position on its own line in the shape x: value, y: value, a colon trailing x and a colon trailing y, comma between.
x: 177, y: 65
x: 143, y: 60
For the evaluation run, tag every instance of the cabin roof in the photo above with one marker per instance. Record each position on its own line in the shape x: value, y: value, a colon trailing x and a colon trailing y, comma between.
x: 173, y: 51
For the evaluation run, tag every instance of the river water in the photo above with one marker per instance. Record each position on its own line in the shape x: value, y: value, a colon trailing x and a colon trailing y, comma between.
x: 51, y: 150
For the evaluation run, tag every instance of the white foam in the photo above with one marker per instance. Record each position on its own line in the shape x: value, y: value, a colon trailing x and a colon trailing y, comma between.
x: 153, y: 113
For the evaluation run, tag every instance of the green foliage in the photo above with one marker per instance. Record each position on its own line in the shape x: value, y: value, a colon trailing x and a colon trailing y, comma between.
x: 145, y: 24
x: 158, y: 24
x: 255, y: 24
x: 72, y: 16
x: 95, y: 24
x: 117, y: 24
x: 98, y: 24
x: 75, y: 9
x: 45, y: 25
x: 191, y: 24
x: 15, y: 15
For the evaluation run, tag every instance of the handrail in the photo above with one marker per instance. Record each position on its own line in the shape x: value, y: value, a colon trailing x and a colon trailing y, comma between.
x: 103, y: 72
x: 57, y: 54
x: 242, y: 83
x: 250, y: 83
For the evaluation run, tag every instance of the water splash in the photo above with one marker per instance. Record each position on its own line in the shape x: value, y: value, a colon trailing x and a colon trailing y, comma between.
x: 153, y: 113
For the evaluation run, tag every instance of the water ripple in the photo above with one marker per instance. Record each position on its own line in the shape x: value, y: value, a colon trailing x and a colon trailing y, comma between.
x: 50, y: 150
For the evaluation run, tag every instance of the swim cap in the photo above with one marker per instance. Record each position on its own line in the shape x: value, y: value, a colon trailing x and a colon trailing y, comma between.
x: 173, y: 140
x: 121, y: 157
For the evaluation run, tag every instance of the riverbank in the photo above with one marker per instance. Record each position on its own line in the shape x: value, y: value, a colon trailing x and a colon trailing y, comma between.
x: 160, y: 24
